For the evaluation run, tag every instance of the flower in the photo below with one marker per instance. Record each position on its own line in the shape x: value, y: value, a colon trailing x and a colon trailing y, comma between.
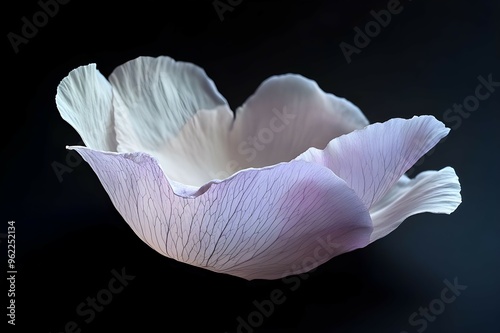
x: 296, y: 175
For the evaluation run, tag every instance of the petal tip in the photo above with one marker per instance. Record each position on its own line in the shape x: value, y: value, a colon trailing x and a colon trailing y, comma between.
x: 454, y: 196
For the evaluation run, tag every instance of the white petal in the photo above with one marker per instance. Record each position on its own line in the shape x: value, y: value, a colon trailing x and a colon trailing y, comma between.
x: 155, y: 97
x: 431, y: 191
x: 84, y: 100
x: 158, y: 98
x: 199, y: 152
x: 260, y: 223
x: 173, y: 111
x: 372, y: 160
x: 287, y: 115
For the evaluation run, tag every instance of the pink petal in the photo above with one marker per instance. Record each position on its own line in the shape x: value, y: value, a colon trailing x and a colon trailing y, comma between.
x: 84, y: 100
x: 372, y: 160
x: 264, y: 223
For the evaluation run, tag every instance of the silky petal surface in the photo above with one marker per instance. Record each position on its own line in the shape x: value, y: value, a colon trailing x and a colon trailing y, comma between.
x: 257, y: 224
x: 287, y: 115
x: 199, y: 152
x: 430, y: 191
x: 84, y: 100
x: 172, y: 111
x: 155, y: 97
x: 373, y: 159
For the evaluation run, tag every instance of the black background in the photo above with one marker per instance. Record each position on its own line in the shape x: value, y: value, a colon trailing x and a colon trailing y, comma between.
x: 69, y: 236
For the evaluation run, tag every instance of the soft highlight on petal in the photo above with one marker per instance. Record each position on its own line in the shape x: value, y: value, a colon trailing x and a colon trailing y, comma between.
x: 228, y: 193
x: 258, y: 224
x: 172, y: 110
x: 84, y: 100
x: 155, y: 97
x: 287, y: 115
x: 373, y: 159
x: 430, y: 191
